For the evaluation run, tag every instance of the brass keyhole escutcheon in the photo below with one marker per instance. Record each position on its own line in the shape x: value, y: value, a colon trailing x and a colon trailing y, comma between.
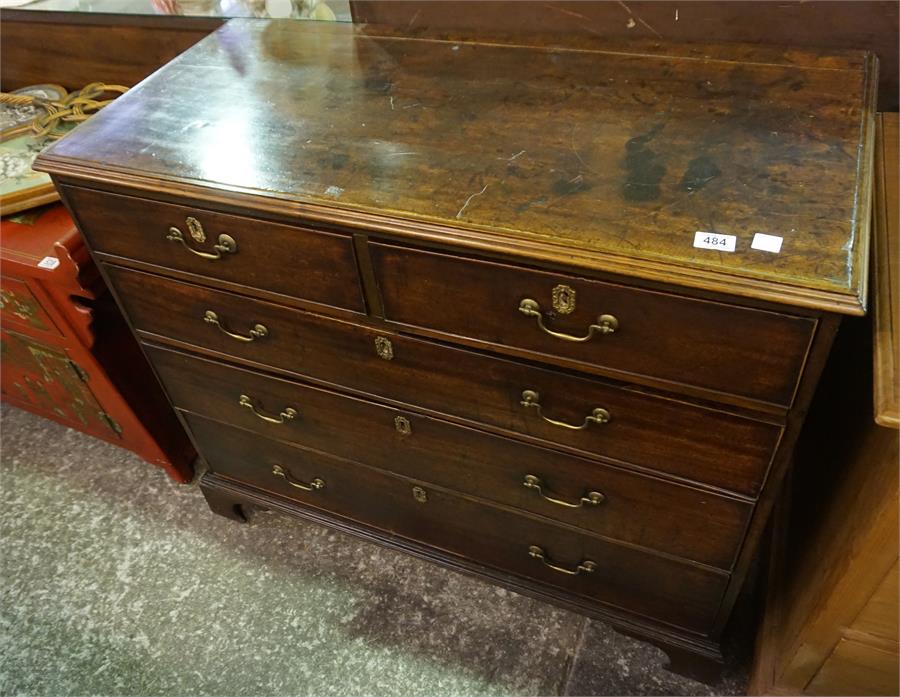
x: 401, y: 423
x: 384, y: 348
x: 195, y: 229
x: 419, y: 494
x: 563, y: 299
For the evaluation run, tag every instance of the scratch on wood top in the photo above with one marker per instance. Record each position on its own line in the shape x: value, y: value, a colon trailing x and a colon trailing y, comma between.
x: 469, y: 200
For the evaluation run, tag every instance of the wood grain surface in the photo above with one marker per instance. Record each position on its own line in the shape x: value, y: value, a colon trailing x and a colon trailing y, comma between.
x: 461, y: 459
x: 887, y: 274
x: 73, y: 49
x: 647, y: 584
x: 661, y: 433
x: 609, y: 157
x: 414, y: 189
x: 324, y: 272
x: 669, y: 337
x: 624, y: 516
x: 816, y: 24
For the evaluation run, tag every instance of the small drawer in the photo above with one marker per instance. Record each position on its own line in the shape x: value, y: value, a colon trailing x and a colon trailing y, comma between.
x: 291, y: 261
x: 18, y: 305
x: 653, y: 432
x: 676, y: 519
x: 596, y: 326
x: 615, y: 575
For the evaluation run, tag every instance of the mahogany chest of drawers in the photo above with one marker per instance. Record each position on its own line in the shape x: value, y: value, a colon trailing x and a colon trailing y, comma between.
x: 548, y: 314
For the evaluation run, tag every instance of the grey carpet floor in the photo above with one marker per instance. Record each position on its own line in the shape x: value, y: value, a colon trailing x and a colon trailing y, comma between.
x: 117, y: 581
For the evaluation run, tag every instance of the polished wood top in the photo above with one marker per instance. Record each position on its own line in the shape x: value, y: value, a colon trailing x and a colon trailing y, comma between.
x: 608, y: 157
x: 887, y: 273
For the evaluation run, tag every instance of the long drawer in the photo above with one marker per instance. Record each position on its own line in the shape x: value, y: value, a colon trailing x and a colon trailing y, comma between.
x: 621, y: 329
x: 671, y: 518
x: 676, y: 437
x: 243, y: 251
x: 664, y: 589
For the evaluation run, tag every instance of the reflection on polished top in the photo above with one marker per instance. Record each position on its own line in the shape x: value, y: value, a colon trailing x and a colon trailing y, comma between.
x: 323, y: 10
x: 610, y: 157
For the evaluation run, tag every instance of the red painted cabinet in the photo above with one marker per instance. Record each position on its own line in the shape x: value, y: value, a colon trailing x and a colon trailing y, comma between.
x: 65, y: 351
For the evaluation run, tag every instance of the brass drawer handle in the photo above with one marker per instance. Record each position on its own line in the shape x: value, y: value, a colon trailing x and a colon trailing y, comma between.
x: 288, y: 414
x: 606, y: 324
x: 225, y: 245
x: 314, y: 485
x: 258, y: 331
x: 587, y: 566
x: 591, y: 498
x: 531, y: 399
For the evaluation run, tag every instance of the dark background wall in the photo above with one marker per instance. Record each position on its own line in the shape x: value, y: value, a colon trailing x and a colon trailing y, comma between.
x: 74, y: 48
x: 817, y: 24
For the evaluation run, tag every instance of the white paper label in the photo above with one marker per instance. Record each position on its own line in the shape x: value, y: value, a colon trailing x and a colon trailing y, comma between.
x: 713, y: 240
x: 48, y: 263
x: 767, y: 243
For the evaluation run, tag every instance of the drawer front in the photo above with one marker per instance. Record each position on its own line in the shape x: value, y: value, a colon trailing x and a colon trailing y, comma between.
x: 712, y: 346
x: 18, y: 305
x: 43, y: 378
x: 675, y: 519
x: 314, y: 266
x: 652, y: 432
x: 663, y: 589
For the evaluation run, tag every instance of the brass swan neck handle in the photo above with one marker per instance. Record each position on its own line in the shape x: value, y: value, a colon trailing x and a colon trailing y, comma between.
x: 585, y: 566
x: 287, y: 414
x: 606, y: 324
x: 531, y: 400
x: 535, y: 483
